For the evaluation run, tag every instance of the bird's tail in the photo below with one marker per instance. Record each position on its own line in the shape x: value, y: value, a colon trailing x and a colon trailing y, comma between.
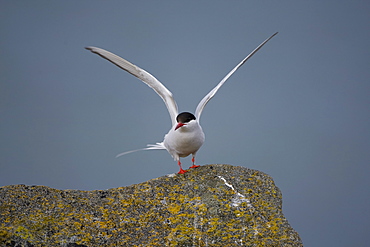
x: 158, y: 145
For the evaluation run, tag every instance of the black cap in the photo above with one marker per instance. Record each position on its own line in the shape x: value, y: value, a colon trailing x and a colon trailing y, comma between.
x: 185, y: 117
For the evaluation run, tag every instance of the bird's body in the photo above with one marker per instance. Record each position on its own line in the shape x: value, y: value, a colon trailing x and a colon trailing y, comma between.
x: 185, y: 140
x: 186, y: 135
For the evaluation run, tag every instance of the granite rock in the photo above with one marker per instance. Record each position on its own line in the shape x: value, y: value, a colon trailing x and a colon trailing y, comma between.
x: 213, y: 205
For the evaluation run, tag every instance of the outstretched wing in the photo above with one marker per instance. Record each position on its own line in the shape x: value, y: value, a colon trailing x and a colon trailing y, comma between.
x: 144, y: 76
x: 210, y: 95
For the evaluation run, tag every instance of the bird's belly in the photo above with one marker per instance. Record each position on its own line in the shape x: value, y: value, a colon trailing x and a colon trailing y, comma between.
x: 187, y: 146
x: 183, y: 144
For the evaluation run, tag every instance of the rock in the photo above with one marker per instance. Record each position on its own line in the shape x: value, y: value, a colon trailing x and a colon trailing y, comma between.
x: 213, y: 205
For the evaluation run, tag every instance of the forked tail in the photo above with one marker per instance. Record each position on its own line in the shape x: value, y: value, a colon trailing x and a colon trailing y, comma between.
x: 158, y: 145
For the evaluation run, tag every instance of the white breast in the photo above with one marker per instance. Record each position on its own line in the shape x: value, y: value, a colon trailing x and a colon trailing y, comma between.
x: 185, y: 140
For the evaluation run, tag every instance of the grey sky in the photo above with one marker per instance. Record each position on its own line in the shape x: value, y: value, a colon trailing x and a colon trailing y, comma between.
x: 298, y: 110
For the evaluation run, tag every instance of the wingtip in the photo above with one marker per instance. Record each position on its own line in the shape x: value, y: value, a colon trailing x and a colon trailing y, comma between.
x: 272, y: 35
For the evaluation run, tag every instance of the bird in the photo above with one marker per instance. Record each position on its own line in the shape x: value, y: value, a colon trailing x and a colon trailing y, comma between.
x: 186, y: 135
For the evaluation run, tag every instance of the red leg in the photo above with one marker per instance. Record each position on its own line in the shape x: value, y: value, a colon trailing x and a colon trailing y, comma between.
x: 181, y: 170
x: 193, y: 166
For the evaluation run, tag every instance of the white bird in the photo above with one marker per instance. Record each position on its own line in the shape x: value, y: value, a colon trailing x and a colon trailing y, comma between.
x: 186, y: 135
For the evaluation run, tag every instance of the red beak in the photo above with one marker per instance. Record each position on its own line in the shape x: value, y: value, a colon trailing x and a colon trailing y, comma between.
x: 179, y: 125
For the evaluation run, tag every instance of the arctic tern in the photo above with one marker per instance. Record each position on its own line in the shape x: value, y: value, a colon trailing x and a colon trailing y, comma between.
x: 186, y: 135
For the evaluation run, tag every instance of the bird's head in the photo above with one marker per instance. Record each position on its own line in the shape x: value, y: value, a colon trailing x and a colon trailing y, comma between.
x: 183, y: 119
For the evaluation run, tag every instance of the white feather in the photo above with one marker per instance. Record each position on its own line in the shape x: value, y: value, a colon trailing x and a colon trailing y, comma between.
x: 212, y: 93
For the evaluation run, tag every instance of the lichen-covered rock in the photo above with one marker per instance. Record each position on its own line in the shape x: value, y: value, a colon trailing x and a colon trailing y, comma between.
x: 213, y: 205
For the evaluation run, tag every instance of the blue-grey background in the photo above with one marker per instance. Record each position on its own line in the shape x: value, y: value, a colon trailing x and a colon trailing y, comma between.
x: 298, y: 110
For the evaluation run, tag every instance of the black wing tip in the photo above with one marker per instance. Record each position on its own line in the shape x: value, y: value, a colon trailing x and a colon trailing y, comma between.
x: 93, y: 50
x: 273, y: 35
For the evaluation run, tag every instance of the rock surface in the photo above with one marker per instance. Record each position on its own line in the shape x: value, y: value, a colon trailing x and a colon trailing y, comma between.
x: 213, y: 205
